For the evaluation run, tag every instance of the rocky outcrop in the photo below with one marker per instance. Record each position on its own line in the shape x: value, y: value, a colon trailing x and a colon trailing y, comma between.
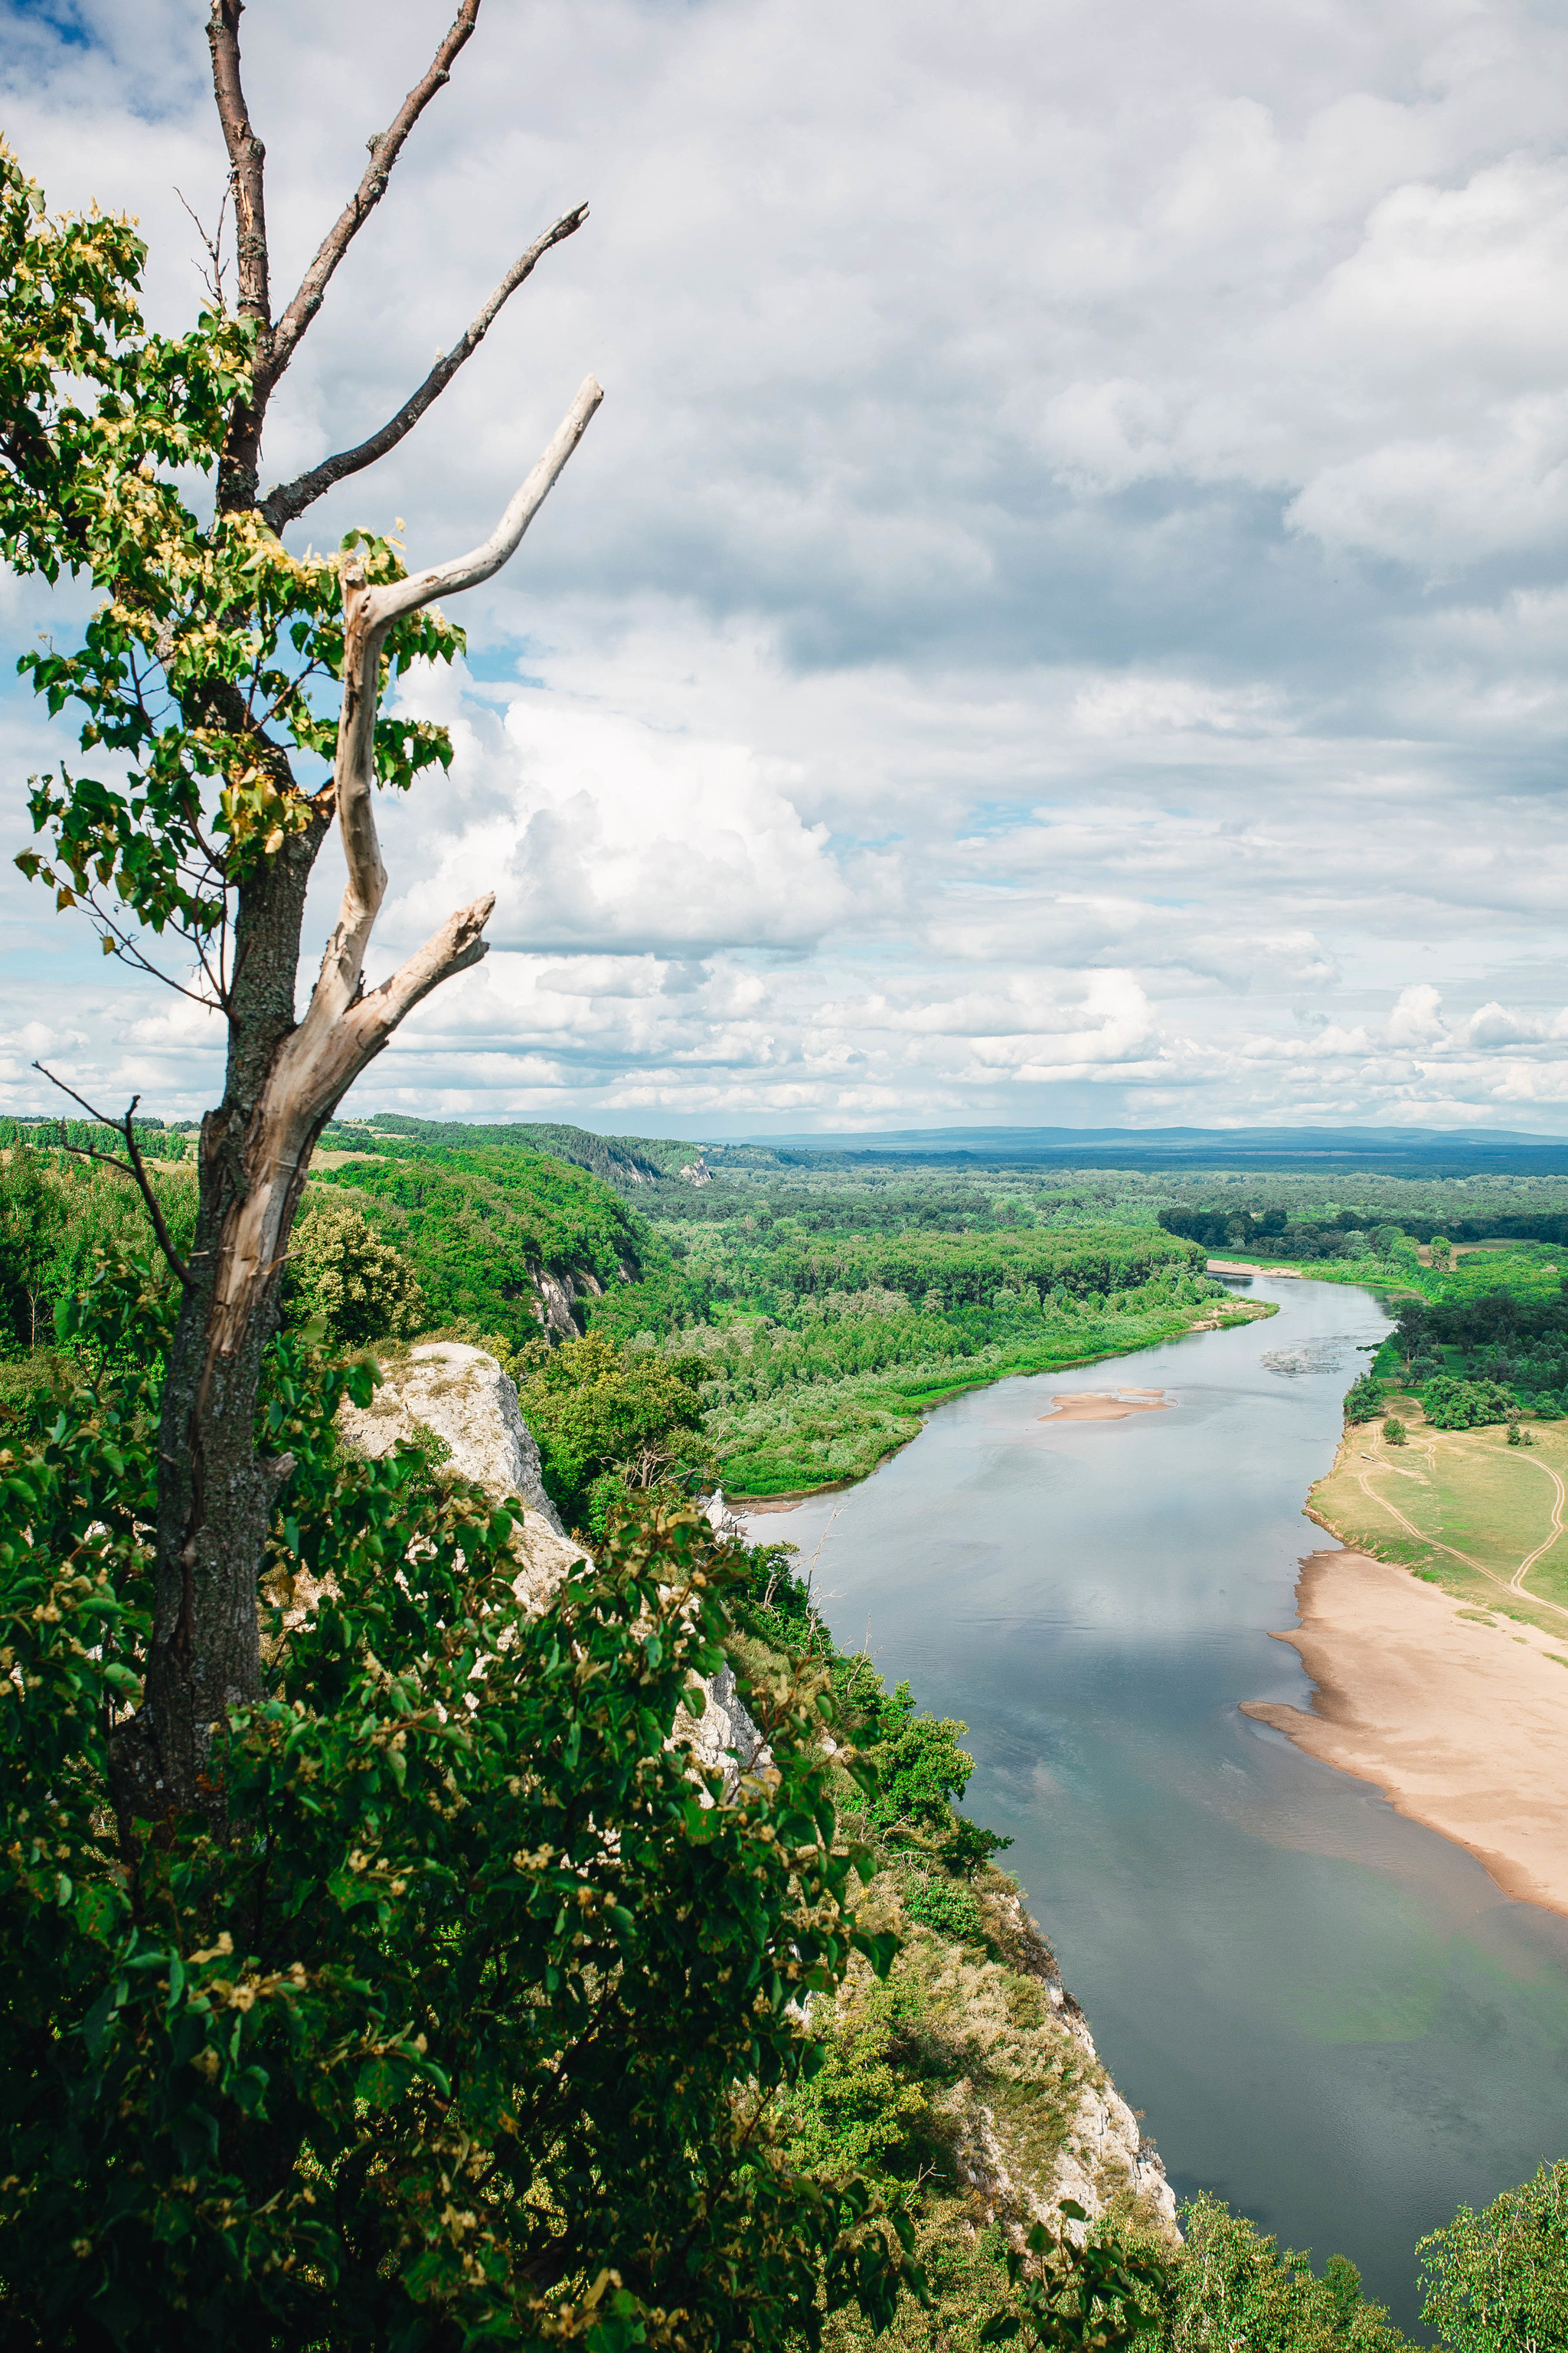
x: 723, y: 1737
x: 463, y: 1396
x: 556, y: 1300
x: 1036, y: 2124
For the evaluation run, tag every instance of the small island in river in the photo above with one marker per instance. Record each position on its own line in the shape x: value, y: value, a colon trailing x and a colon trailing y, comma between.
x: 1102, y: 1404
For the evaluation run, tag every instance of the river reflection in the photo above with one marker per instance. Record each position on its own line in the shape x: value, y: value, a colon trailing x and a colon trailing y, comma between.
x: 1327, y: 2013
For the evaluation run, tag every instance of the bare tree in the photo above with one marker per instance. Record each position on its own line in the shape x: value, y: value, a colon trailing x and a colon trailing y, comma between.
x: 284, y: 1079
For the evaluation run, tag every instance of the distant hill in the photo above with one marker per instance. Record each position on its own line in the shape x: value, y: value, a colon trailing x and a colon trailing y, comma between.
x: 1394, y: 1151
x: 629, y: 1162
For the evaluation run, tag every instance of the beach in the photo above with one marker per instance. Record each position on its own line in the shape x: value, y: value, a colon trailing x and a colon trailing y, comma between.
x: 1463, y: 1724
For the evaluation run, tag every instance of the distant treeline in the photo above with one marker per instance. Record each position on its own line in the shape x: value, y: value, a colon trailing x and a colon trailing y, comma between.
x: 1261, y: 1230
x: 1218, y: 1227
x: 968, y: 1269
x: 153, y: 1140
x: 1495, y: 1319
x: 956, y: 1209
x: 629, y: 1162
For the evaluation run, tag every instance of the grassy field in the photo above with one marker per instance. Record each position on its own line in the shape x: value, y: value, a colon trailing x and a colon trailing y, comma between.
x: 1461, y: 1508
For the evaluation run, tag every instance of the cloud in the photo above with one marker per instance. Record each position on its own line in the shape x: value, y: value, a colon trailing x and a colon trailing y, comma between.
x: 596, y: 831
x: 1059, y: 614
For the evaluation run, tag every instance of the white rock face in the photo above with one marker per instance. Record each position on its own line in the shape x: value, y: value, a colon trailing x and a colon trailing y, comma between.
x: 723, y: 1737
x: 462, y: 1394
x: 1104, y: 2154
x: 556, y: 1300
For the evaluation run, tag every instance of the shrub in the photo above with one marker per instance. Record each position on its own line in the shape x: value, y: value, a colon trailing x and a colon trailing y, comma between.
x: 1364, y: 1399
x: 1450, y: 1403
x: 460, y: 2016
x: 1501, y: 2277
x: 341, y: 1271
x: 596, y: 1408
x: 951, y: 1911
x: 1231, y: 2287
x: 1394, y: 1431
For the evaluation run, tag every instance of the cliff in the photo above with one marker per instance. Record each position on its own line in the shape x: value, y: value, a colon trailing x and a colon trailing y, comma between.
x: 1011, y: 2089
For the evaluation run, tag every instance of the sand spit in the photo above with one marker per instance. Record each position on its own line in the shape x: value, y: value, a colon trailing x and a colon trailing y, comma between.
x: 1100, y: 1405
x: 1417, y: 1694
x: 1248, y: 1266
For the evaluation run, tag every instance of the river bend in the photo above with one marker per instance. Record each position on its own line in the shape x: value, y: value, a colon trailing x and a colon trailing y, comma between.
x: 1325, y: 2013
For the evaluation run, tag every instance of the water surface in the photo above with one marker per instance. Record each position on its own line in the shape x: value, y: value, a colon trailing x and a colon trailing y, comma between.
x: 1325, y: 2013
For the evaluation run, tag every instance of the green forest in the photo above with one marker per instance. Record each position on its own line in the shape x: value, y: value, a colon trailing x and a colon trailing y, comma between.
x: 814, y: 1324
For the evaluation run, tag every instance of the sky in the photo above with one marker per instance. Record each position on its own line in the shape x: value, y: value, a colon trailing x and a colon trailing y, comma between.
x: 1058, y: 619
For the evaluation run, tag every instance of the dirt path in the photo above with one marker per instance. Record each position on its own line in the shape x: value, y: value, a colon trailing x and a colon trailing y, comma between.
x: 1514, y: 1584
x: 1517, y: 1580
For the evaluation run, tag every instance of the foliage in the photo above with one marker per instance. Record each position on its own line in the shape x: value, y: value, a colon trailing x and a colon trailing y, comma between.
x: 954, y: 1271
x: 209, y: 631
x: 1500, y: 2278
x: 478, y: 1228
x: 343, y: 1275
x: 1231, y: 2287
x: 464, y: 2019
x: 599, y: 1412
x: 630, y: 1163
x: 1220, y: 1229
x: 1096, y: 2296
x: 56, y: 1215
x: 153, y: 1141
x: 1364, y: 1399
x: 1394, y: 1432
x: 1452, y: 1404
x: 920, y: 1773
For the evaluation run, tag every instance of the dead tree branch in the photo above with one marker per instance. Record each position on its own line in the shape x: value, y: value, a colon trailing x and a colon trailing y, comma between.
x: 135, y: 1167
x: 286, y: 500
x: 345, y: 1024
x: 276, y: 344
x: 246, y: 163
x: 385, y: 146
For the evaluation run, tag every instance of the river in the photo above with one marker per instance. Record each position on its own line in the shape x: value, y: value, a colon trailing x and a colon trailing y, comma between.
x: 1326, y: 2013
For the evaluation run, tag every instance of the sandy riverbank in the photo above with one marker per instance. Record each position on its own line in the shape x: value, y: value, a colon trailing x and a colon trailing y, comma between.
x: 1102, y: 1404
x: 1462, y: 1725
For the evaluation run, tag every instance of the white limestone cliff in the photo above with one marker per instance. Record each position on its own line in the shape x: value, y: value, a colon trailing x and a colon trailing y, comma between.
x: 462, y: 1394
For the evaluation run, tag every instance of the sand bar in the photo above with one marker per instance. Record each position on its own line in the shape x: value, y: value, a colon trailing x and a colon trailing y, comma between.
x: 1100, y: 1405
x: 1246, y: 1266
x: 1462, y: 1725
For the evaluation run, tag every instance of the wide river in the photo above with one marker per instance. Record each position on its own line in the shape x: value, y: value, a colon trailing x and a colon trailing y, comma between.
x: 1326, y: 2013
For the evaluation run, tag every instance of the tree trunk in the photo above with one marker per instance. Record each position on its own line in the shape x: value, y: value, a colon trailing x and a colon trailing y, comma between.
x: 215, y: 1492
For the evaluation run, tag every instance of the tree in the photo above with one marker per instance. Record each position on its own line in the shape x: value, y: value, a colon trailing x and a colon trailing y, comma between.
x: 343, y: 1271
x: 206, y: 674
x: 604, y: 1414
x: 1500, y: 2278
